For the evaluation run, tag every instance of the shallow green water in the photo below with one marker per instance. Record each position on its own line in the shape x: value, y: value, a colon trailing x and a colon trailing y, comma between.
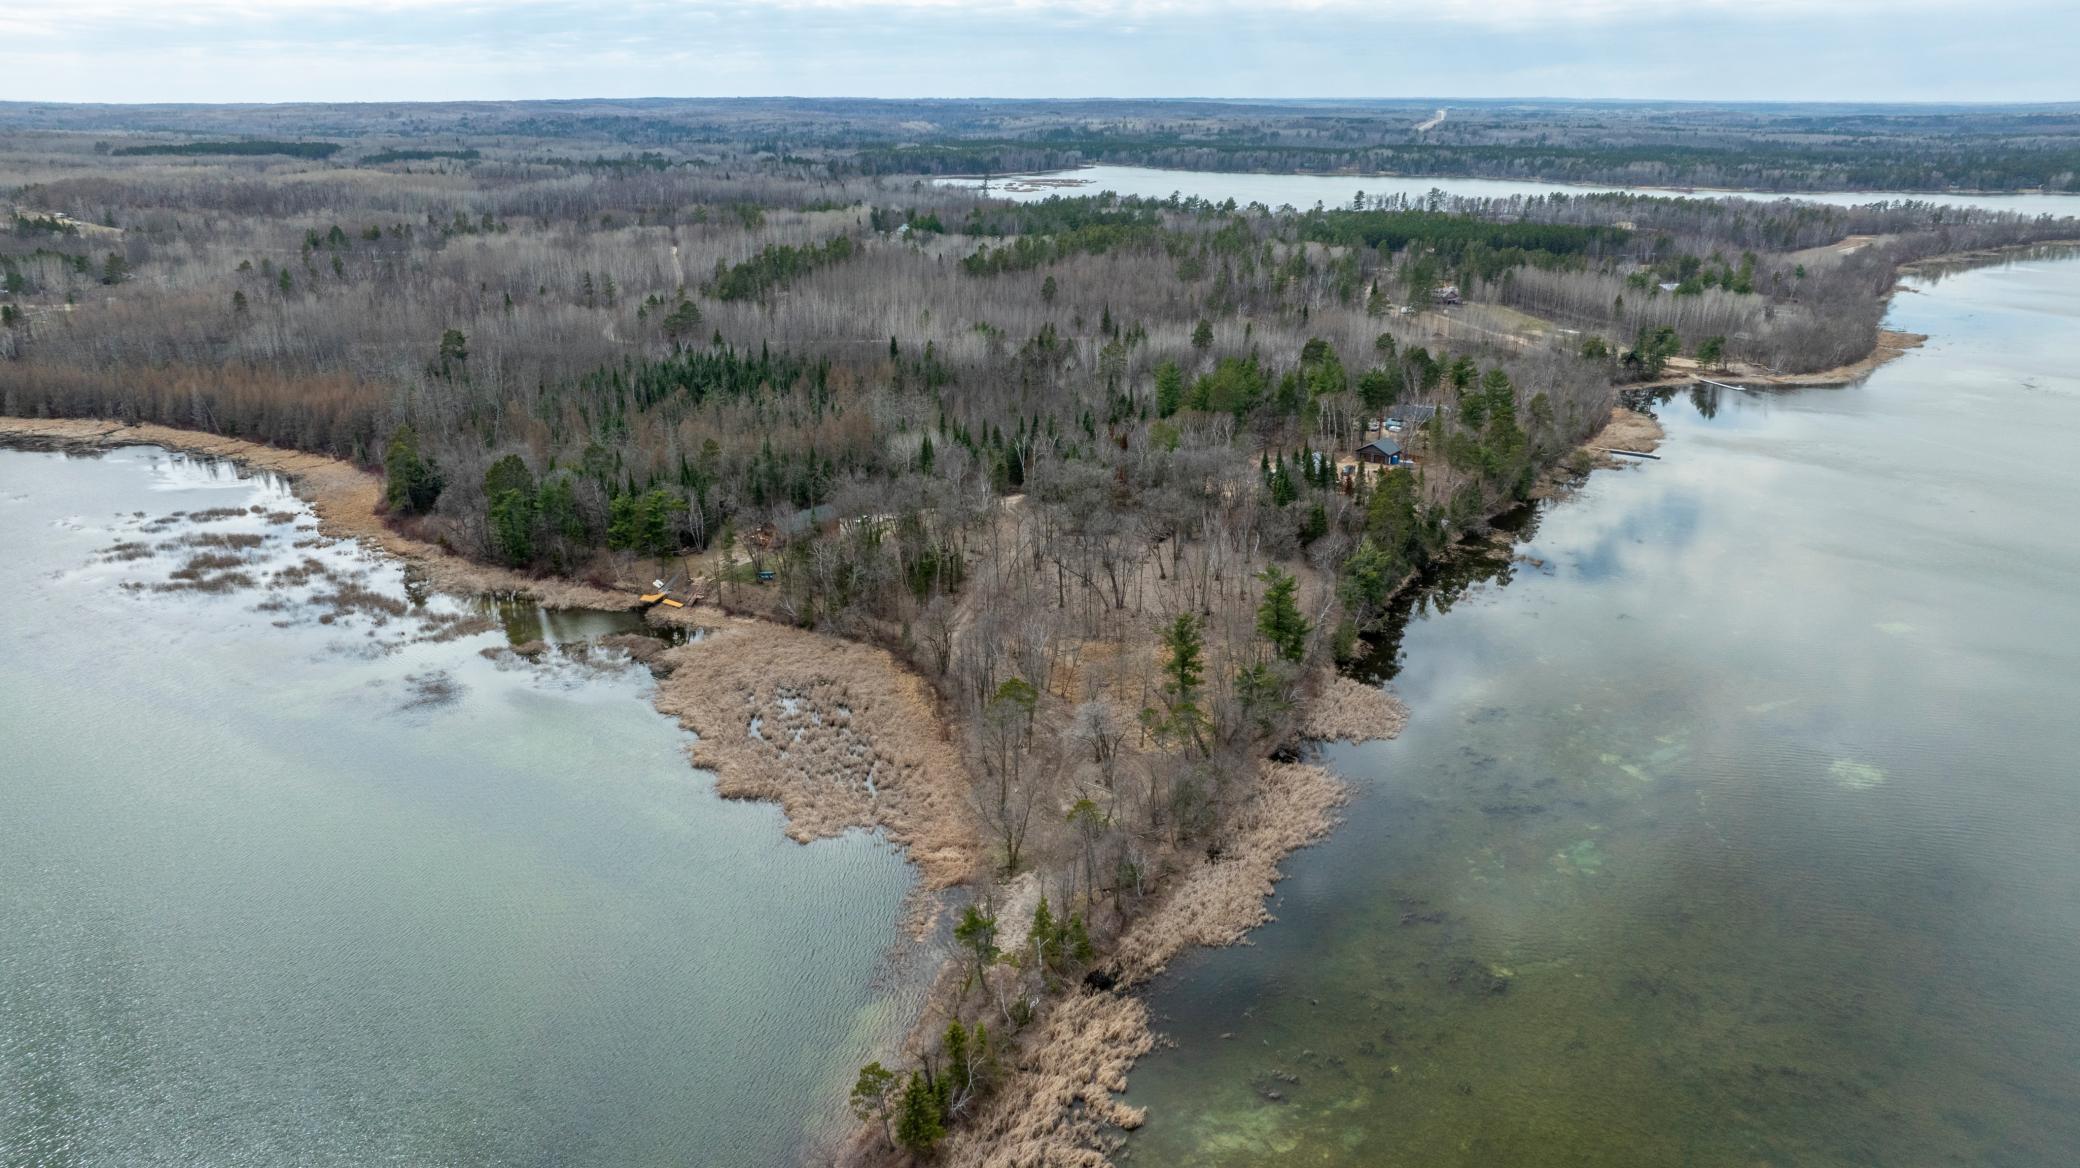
x: 1743, y: 831
x: 276, y: 891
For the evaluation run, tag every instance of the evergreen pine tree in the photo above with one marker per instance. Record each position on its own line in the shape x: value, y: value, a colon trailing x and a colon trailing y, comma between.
x: 1278, y: 617
x: 919, y: 1122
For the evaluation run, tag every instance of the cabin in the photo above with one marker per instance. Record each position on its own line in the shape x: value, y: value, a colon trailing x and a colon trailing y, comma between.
x: 1446, y: 294
x: 1381, y: 452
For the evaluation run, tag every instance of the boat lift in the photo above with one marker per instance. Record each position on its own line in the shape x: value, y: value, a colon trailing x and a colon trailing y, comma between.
x: 670, y: 594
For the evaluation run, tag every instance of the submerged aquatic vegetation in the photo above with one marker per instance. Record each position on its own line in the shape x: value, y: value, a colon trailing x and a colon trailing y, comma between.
x: 1582, y: 858
x: 350, y: 596
x: 1857, y: 776
x: 434, y: 688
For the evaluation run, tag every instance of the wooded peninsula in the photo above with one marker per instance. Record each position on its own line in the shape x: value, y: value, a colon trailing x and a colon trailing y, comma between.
x: 1045, y: 526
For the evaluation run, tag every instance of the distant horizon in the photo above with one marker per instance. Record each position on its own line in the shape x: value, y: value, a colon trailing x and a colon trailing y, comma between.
x: 271, y: 52
x: 1433, y: 99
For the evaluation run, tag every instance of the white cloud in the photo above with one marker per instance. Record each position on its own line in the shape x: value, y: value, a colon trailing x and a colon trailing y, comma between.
x: 276, y: 50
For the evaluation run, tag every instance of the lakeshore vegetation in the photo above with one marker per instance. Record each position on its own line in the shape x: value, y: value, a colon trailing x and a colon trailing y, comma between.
x: 1085, y: 465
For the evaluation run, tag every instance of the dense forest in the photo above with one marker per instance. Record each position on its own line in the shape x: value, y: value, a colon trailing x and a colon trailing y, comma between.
x: 995, y: 438
x: 673, y: 353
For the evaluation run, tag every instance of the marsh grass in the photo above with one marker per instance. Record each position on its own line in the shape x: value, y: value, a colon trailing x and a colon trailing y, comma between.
x: 222, y: 539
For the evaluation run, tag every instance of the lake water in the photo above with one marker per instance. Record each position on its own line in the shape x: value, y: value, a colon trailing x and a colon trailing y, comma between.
x: 280, y: 885
x: 1305, y: 190
x: 1737, y: 821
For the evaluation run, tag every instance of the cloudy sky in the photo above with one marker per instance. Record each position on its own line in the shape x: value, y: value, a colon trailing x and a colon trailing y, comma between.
x: 285, y: 50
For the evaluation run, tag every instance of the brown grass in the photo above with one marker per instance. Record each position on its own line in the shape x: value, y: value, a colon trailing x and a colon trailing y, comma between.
x: 1627, y: 430
x: 349, y: 597
x: 186, y: 580
x: 1057, y: 1103
x: 207, y: 562
x: 1352, y: 711
x: 846, y: 737
x: 1218, y: 902
x: 222, y: 539
x: 127, y: 551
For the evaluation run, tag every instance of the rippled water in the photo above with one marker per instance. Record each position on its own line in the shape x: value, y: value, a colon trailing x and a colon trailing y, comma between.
x: 281, y: 885
x: 1737, y: 822
x: 1305, y: 190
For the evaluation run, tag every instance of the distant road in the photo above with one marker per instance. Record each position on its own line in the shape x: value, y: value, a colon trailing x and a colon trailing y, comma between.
x: 1431, y: 124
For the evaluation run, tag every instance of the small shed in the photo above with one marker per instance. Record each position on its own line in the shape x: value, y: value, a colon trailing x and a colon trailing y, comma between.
x: 1381, y: 452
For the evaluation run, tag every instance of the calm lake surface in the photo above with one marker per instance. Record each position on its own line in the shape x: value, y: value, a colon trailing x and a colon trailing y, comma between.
x: 1305, y: 190
x: 277, y: 891
x: 1737, y: 821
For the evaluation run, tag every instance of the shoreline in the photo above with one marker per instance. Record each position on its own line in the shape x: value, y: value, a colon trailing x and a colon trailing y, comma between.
x: 851, y: 711
x: 854, y: 710
x: 853, y: 714
x: 1886, y: 346
x: 1593, y: 188
x: 873, y: 702
x: 346, y: 499
x: 1060, y: 1104
x: 1977, y: 255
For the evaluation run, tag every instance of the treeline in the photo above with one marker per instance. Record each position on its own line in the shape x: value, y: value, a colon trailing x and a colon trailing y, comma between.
x: 309, y: 150
x: 776, y: 266
x: 1450, y: 236
x: 1767, y: 166
x: 382, y: 157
